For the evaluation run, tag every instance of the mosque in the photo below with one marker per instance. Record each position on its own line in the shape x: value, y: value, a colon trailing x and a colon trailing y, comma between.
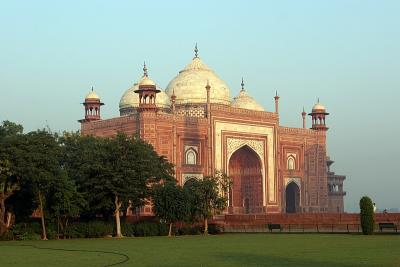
x: 199, y: 128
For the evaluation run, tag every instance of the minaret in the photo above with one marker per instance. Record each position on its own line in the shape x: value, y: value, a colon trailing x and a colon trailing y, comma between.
x: 147, y: 110
x: 174, y: 153
x: 318, y: 116
x: 92, y: 106
x: 209, y: 140
x: 147, y: 92
x: 303, y: 114
x: 276, y: 102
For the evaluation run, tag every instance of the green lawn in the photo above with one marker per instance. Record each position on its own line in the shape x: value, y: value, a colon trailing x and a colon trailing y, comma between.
x: 222, y: 250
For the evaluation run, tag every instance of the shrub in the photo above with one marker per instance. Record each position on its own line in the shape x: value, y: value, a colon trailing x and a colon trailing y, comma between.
x: 147, y: 229
x: 128, y: 229
x: 99, y: 229
x: 7, y: 236
x: 367, y: 219
x: 25, y: 231
x: 93, y: 229
x: 190, y: 230
x: 214, y: 229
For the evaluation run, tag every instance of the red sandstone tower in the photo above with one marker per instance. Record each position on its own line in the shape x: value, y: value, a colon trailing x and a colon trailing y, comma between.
x: 147, y: 108
x: 318, y: 116
x: 92, y: 106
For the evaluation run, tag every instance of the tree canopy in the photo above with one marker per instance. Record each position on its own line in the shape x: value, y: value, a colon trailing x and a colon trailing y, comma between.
x: 170, y: 203
x: 113, y: 173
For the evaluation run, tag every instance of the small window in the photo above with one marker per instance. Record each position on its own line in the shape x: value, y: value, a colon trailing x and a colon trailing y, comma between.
x: 291, y: 163
x: 191, y: 157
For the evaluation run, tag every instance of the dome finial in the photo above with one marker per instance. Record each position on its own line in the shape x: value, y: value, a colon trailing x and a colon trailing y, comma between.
x: 196, y: 51
x: 92, y: 88
x: 318, y: 100
x: 145, y: 74
x: 242, y: 84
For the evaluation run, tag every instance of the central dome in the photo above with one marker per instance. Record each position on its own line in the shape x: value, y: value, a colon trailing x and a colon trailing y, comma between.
x: 189, y: 85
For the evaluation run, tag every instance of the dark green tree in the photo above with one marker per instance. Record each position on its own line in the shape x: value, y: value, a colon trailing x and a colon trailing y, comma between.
x: 208, y: 196
x: 114, y: 173
x: 367, y: 216
x: 170, y: 203
x: 9, y: 128
x: 64, y: 201
x: 35, y: 161
x: 9, y: 183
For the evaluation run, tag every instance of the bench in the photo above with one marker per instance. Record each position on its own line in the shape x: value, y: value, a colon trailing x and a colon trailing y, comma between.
x: 387, y: 226
x: 272, y: 226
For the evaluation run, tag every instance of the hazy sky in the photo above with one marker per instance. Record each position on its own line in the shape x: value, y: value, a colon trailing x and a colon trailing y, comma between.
x: 345, y: 52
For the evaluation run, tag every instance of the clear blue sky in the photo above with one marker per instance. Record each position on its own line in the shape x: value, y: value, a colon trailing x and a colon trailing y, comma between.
x: 345, y: 52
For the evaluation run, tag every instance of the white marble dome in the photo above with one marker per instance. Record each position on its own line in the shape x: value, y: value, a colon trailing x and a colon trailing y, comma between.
x: 92, y: 95
x: 318, y: 107
x: 189, y: 85
x: 244, y: 100
x: 130, y: 100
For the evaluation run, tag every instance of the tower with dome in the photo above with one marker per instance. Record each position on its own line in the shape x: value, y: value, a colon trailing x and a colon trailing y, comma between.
x: 200, y: 128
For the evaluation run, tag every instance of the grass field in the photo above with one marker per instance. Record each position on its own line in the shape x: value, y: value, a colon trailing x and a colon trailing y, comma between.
x: 222, y: 250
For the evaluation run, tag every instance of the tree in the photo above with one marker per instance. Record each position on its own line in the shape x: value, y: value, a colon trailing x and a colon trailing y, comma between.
x: 367, y: 216
x: 7, y: 188
x: 114, y: 172
x: 9, y: 128
x: 36, y: 162
x: 170, y: 203
x: 9, y: 183
x: 209, y: 196
x: 64, y: 201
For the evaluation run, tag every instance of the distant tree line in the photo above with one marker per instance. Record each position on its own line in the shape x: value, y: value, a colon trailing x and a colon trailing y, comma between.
x: 65, y: 176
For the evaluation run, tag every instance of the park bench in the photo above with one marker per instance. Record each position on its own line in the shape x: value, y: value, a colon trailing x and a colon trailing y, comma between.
x: 272, y: 226
x: 387, y: 226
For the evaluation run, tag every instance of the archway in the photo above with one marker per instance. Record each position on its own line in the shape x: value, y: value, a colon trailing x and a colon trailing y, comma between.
x: 292, y: 198
x: 245, y: 170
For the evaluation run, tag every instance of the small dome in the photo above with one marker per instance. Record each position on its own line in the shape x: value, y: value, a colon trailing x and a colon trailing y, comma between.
x: 92, y: 95
x: 318, y: 107
x: 189, y: 85
x: 130, y: 100
x: 244, y: 100
x: 146, y: 81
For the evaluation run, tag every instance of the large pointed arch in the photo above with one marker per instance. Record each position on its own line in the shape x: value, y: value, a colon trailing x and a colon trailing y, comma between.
x: 245, y: 169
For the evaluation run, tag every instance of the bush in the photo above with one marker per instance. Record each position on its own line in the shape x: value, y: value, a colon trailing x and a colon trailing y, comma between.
x: 214, y: 229
x: 190, y: 230
x: 7, y: 236
x: 99, y: 229
x: 150, y: 229
x: 128, y: 229
x: 92, y: 229
x: 367, y: 215
x: 24, y: 231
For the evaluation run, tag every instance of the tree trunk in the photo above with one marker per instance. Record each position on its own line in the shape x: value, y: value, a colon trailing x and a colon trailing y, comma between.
x: 3, y: 226
x: 206, y: 226
x: 118, y: 205
x: 44, y: 234
x: 9, y: 219
x: 170, y: 230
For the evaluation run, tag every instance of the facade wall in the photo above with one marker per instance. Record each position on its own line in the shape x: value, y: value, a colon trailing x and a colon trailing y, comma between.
x: 185, y: 141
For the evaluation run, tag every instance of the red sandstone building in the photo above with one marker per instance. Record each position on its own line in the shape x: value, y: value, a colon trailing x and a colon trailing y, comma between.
x: 200, y: 129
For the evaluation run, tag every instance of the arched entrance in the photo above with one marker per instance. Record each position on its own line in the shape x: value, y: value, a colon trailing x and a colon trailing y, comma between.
x: 292, y: 198
x: 245, y: 170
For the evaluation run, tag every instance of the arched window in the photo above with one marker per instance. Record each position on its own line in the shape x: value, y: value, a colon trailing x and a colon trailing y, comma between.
x: 291, y: 163
x: 190, y: 157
